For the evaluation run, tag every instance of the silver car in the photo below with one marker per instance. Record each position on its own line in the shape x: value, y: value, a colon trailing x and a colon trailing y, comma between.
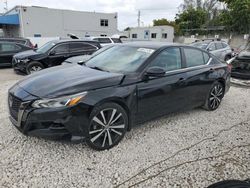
x: 218, y: 48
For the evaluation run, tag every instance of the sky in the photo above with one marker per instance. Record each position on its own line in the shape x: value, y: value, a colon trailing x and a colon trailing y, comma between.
x: 127, y: 9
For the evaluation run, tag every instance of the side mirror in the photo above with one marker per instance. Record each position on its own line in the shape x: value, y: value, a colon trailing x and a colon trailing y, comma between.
x: 52, y: 53
x: 155, y: 72
x: 80, y: 62
x: 209, y: 49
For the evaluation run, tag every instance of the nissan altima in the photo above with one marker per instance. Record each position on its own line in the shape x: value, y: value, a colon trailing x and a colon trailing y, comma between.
x: 127, y: 84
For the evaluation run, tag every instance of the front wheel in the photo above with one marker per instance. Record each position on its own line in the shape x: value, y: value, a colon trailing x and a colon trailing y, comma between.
x: 215, y: 96
x: 33, y: 67
x: 108, y: 125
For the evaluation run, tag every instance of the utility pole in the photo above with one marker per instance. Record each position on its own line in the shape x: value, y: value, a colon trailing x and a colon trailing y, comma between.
x: 139, y: 18
x: 6, y: 5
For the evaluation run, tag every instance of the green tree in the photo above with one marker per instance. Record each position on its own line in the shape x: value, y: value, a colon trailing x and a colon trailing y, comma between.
x: 238, y: 15
x: 191, y: 20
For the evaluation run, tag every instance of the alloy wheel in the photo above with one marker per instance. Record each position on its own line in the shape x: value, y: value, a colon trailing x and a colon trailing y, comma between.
x: 107, y: 128
x: 34, y: 69
x: 216, y: 96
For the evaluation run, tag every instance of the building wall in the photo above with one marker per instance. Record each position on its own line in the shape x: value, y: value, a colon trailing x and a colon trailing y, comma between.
x: 145, y: 33
x: 58, y: 23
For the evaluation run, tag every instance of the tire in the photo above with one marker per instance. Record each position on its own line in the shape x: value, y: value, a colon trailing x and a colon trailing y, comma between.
x: 230, y: 184
x: 107, y: 127
x: 33, y: 67
x: 215, y: 96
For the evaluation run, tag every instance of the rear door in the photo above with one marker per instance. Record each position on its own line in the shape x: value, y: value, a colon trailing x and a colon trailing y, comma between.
x: 58, y: 54
x: 7, y: 50
x: 200, y: 75
x: 162, y: 95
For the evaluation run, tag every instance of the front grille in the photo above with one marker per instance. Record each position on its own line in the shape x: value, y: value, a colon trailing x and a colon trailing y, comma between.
x: 14, y: 105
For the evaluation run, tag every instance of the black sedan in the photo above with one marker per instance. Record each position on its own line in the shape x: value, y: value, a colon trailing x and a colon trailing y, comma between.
x: 8, y: 50
x: 122, y: 86
x: 52, y: 54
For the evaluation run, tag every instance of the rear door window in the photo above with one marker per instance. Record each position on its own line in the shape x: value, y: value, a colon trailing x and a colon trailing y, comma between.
x: 206, y: 57
x: 104, y: 40
x: 61, y: 48
x: 212, y: 46
x: 218, y: 45
x: 79, y: 46
x: 193, y: 57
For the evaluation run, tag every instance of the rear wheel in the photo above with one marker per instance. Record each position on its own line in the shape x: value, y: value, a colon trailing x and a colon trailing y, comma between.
x: 33, y: 67
x: 215, y: 96
x: 108, y: 125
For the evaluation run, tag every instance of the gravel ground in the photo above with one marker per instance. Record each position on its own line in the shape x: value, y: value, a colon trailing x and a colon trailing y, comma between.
x: 190, y: 149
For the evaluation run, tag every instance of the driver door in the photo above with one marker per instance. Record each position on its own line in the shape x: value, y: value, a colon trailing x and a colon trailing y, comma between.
x: 58, y: 54
x: 161, y: 95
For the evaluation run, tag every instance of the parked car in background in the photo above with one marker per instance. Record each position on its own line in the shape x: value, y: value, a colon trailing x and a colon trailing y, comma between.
x: 216, y: 47
x: 83, y: 58
x: 241, y: 65
x: 52, y: 54
x: 116, y: 89
x: 8, y: 50
x: 23, y: 41
x: 106, y: 40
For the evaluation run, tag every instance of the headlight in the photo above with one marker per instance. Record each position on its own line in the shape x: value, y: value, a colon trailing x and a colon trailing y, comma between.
x: 24, y: 60
x: 59, y: 102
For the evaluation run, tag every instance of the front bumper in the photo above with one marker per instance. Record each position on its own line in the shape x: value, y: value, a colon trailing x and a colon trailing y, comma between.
x: 51, y: 123
x: 18, y: 66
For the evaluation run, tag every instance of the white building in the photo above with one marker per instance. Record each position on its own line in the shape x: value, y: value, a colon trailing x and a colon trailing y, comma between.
x: 32, y: 21
x: 155, y: 33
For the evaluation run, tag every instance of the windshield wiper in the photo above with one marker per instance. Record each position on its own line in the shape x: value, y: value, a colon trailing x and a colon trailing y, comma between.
x: 98, y: 68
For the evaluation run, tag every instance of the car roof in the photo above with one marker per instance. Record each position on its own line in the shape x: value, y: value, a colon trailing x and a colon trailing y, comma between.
x: 13, y: 39
x: 72, y: 40
x: 150, y: 44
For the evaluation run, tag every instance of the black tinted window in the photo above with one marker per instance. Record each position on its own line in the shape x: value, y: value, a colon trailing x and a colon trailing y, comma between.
x: 193, y: 57
x: 116, y: 40
x: 212, y: 47
x: 206, y: 57
x: 61, y: 48
x: 169, y: 59
x: 224, y: 45
x: 81, y: 47
x: 9, y: 47
x: 103, y: 40
x: 218, y: 45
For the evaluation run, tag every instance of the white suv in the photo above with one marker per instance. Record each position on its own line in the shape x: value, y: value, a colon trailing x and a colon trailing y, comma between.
x: 216, y: 47
x: 106, y: 40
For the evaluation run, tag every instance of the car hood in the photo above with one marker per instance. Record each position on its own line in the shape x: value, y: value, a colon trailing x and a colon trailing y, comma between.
x: 31, y: 54
x: 68, y: 79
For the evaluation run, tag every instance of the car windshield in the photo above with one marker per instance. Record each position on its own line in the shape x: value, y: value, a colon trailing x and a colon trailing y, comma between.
x: 201, y: 45
x: 122, y: 59
x: 46, y: 47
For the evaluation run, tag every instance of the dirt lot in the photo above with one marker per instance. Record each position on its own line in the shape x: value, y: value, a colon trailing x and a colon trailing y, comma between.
x: 191, y: 149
